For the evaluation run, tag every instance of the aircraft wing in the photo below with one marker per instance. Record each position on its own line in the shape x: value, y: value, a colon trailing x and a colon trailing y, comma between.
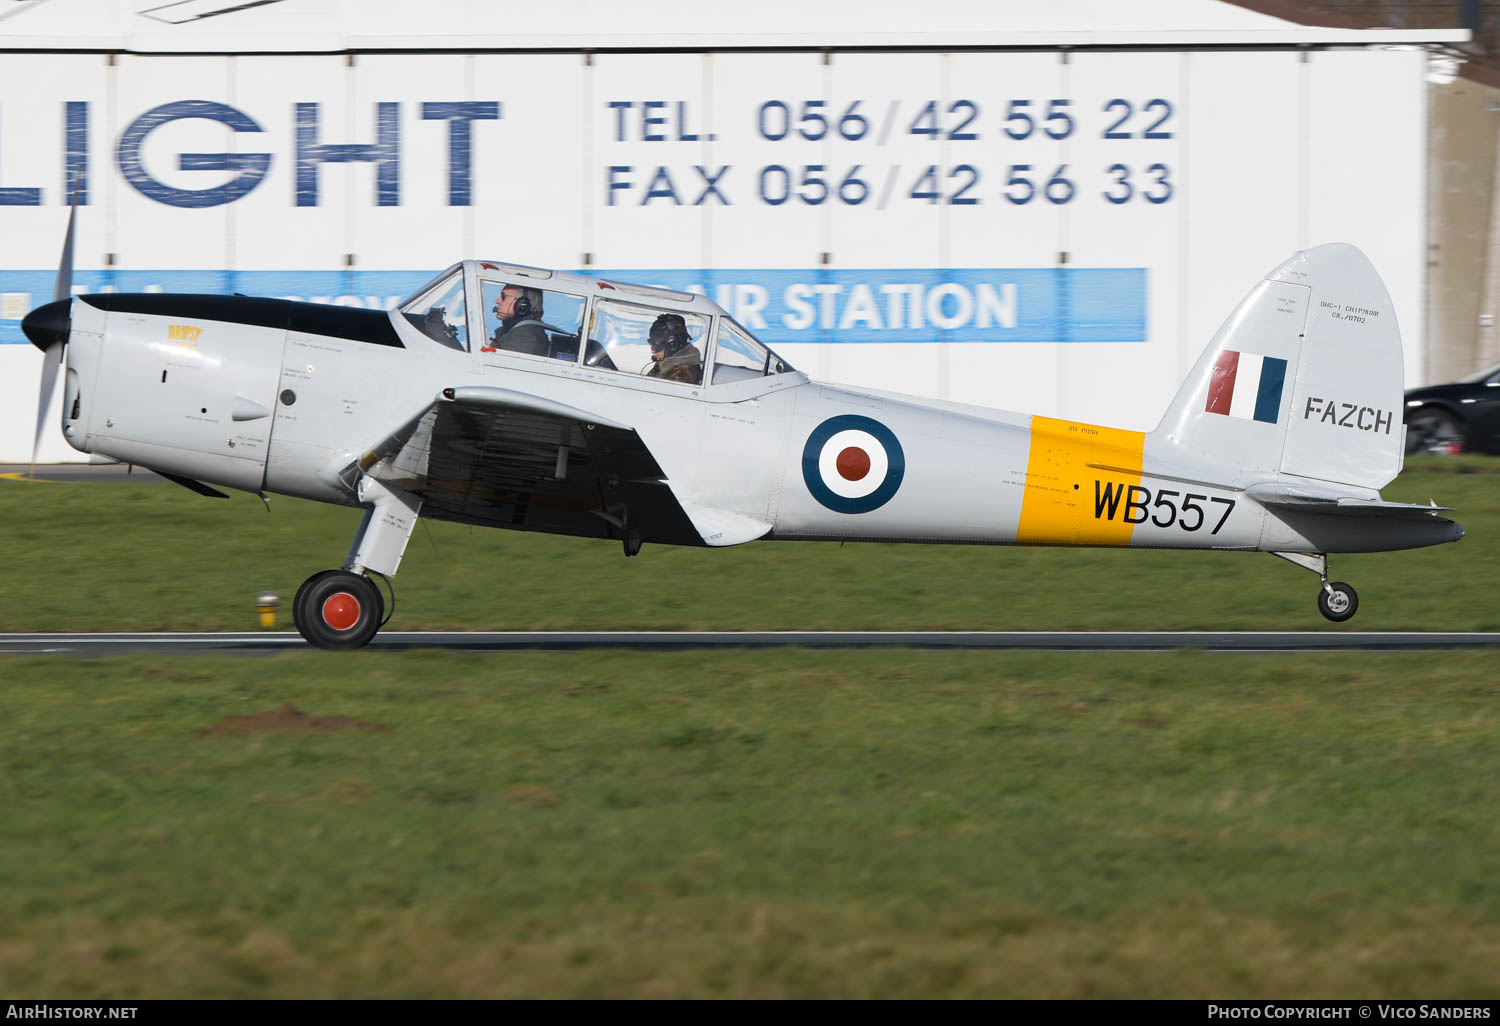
x: 1317, y: 501
x: 506, y: 458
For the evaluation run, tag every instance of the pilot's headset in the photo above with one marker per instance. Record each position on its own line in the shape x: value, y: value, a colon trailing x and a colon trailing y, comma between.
x: 528, y: 305
x: 671, y: 329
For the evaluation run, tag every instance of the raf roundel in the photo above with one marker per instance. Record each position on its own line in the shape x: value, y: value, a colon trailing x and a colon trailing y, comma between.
x: 852, y: 464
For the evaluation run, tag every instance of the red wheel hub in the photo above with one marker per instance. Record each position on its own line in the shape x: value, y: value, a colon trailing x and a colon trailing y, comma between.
x: 341, y: 611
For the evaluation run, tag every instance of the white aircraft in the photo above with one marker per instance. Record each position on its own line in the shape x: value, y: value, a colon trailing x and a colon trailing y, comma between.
x: 536, y: 400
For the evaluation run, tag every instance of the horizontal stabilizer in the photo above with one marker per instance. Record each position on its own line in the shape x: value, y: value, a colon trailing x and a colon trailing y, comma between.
x: 1276, y: 494
x: 1379, y: 507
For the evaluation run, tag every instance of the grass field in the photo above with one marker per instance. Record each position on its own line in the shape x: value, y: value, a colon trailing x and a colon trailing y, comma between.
x: 768, y: 824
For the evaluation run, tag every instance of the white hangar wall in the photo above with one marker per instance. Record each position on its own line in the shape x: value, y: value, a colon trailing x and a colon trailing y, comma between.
x: 1052, y: 231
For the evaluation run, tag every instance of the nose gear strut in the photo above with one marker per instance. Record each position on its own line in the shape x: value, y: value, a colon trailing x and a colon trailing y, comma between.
x: 344, y: 608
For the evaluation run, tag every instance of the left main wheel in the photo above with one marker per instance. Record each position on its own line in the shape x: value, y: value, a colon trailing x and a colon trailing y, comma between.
x: 337, y: 609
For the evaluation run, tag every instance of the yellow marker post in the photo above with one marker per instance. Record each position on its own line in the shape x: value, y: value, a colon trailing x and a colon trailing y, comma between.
x: 266, y: 603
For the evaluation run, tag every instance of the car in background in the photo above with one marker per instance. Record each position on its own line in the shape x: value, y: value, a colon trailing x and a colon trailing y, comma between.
x: 1450, y: 419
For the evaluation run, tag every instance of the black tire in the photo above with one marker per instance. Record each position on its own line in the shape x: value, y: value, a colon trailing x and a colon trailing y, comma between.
x: 1339, y: 606
x: 337, y: 609
x: 1435, y: 431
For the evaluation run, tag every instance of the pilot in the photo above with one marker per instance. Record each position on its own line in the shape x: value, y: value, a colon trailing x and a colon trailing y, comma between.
x: 673, y: 355
x: 520, y: 312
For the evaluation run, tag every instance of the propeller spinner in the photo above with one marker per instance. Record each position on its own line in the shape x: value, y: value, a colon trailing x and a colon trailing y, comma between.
x: 48, y: 325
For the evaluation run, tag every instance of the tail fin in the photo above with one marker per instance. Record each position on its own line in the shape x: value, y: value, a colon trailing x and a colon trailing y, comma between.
x: 1304, y: 379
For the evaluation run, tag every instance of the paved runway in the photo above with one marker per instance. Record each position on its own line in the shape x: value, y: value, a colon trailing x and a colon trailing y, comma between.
x: 482, y: 641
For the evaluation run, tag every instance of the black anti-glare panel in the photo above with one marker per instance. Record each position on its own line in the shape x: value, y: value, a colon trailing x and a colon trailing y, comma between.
x: 371, y: 326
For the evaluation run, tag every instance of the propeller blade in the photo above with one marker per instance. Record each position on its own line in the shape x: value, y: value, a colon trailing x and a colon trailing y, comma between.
x: 51, y: 361
x: 53, y: 355
x: 64, y: 287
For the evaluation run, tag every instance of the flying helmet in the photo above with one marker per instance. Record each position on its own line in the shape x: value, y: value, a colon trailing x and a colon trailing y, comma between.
x: 669, y: 333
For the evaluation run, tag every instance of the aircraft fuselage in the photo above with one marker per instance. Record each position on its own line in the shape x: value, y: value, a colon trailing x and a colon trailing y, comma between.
x: 277, y: 408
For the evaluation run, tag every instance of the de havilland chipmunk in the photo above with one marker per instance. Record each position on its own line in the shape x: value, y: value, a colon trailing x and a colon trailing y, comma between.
x: 516, y: 397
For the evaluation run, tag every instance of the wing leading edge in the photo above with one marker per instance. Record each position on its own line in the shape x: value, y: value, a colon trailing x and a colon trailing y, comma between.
x: 504, y: 458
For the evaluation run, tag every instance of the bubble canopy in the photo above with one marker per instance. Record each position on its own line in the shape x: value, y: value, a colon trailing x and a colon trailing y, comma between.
x: 492, y: 307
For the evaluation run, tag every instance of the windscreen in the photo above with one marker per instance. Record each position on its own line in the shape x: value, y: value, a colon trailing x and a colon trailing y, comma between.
x: 740, y: 355
x: 438, y: 311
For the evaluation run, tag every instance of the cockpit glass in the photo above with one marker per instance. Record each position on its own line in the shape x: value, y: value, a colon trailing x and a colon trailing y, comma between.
x: 739, y: 355
x: 521, y: 318
x: 651, y: 341
x: 438, y: 312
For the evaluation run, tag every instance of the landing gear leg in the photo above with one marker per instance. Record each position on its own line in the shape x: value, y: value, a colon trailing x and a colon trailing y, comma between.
x: 1336, y: 600
x: 343, y: 608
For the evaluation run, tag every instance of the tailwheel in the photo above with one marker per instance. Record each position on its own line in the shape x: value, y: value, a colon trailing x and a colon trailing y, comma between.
x: 1337, y: 601
x: 338, y: 609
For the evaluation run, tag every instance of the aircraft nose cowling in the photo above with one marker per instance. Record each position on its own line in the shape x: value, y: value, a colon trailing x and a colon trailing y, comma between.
x: 48, y: 325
